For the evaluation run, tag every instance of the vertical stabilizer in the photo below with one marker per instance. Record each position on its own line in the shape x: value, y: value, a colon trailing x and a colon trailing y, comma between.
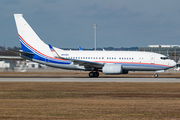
x: 29, y: 40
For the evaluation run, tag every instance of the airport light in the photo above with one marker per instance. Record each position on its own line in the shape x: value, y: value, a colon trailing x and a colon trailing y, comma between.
x: 95, y: 26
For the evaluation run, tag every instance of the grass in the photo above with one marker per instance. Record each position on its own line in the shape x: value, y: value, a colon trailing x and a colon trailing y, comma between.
x: 36, y: 100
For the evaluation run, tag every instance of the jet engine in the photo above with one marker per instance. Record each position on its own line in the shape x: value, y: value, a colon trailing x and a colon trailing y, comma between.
x: 112, y: 69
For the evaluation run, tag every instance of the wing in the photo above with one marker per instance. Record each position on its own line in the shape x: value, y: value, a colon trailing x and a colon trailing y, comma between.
x: 84, y: 63
x: 87, y: 64
x: 11, y: 57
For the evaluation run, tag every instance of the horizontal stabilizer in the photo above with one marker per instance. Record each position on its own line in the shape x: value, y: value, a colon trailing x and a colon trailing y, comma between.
x: 21, y: 52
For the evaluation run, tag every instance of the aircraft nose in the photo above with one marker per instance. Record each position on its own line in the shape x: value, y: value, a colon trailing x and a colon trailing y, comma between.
x: 172, y: 63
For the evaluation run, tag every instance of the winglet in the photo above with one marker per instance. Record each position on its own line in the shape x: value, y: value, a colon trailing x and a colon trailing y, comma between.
x: 79, y: 47
x: 51, y: 48
x: 54, y: 53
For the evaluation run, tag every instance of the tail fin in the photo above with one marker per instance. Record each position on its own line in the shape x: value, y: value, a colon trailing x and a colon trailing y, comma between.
x: 30, y: 42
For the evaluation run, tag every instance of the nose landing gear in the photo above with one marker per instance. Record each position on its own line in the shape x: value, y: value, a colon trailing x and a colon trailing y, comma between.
x: 93, y: 74
x: 155, y: 75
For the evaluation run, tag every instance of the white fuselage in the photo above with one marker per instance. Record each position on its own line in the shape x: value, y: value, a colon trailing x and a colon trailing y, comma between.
x: 130, y: 60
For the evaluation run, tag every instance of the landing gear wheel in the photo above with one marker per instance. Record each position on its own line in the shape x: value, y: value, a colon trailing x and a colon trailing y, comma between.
x: 96, y: 74
x: 91, y: 74
x: 156, y: 75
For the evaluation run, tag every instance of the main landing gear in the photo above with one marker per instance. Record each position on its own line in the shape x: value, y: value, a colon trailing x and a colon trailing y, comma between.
x: 93, y: 74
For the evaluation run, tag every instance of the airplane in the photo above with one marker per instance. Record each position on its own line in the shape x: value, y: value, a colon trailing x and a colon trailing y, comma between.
x: 107, y: 62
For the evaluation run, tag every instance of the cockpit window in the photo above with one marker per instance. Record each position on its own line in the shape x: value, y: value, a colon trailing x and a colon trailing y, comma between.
x: 164, y: 58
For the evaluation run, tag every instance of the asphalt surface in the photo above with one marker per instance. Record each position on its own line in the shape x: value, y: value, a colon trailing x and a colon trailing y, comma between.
x: 90, y: 80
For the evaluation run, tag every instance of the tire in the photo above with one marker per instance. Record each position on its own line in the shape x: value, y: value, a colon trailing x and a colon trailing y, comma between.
x: 96, y: 74
x: 91, y: 74
x: 155, y: 75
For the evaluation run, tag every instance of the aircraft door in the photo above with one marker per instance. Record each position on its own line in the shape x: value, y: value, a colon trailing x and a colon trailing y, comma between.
x: 152, y: 59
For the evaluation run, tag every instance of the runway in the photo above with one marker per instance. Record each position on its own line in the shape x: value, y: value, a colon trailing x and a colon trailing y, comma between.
x: 90, y: 80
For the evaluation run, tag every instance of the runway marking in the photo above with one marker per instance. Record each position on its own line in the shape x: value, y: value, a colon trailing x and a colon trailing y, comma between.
x: 89, y: 80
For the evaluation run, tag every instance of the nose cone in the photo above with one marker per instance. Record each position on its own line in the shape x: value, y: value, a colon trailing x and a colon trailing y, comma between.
x: 172, y: 63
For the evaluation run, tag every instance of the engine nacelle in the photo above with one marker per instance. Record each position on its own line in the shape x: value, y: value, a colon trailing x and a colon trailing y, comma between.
x: 112, y: 69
